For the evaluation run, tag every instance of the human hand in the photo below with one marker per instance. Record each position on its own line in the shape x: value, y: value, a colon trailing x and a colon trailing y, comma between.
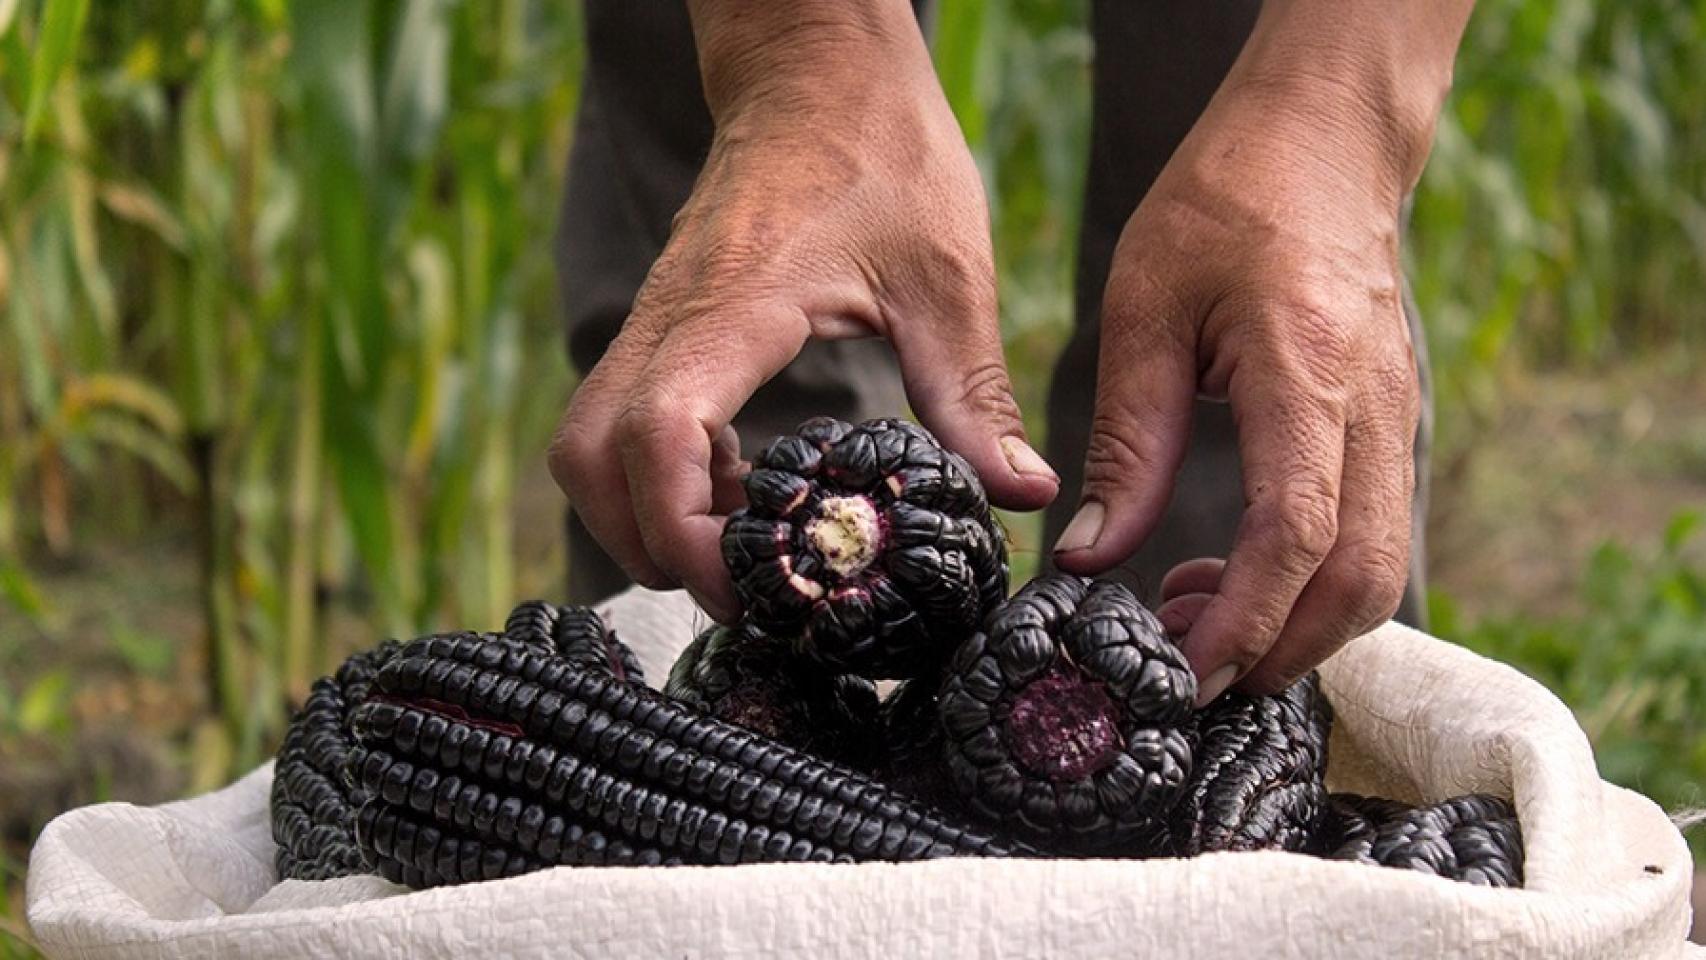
x: 838, y: 200
x: 1262, y: 269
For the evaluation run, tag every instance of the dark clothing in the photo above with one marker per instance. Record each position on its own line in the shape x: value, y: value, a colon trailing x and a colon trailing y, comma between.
x: 643, y: 131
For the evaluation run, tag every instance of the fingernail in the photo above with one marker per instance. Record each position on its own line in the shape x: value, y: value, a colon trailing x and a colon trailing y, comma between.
x: 1216, y: 684
x: 1025, y: 461
x: 1082, y: 532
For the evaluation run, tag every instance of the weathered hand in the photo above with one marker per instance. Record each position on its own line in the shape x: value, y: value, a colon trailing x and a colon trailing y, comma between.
x: 1262, y: 268
x: 838, y: 200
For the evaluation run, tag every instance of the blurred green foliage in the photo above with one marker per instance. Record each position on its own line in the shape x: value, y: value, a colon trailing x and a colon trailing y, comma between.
x: 14, y: 935
x: 1629, y: 663
x: 1562, y: 217
x: 1017, y: 73
x: 282, y: 272
x: 277, y: 275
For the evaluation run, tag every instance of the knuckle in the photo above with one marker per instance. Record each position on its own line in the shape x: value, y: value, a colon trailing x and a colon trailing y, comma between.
x: 1364, y: 582
x: 1310, y: 525
x: 569, y: 456
x: 644, y: 423
x: 1301, y: 519
x: 642, y: 419
x: 1373, y: 576
x: 1396, y: 386
x: 1323, y: 333
x: 965, y: 273
x: 1114, y: 455
x: 987, y: 391
x: 1253, y: 642
x: 1322, y: 347
x: 1129, y: 442
x: 733, y: 255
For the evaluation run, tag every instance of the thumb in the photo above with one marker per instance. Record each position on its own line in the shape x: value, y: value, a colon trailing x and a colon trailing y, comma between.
x: 956, y: 380
x: 1146, y: 384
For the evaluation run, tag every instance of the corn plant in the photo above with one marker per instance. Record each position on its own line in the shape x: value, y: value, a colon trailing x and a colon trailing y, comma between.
x: 280, y: 273
x: 1562, y: 218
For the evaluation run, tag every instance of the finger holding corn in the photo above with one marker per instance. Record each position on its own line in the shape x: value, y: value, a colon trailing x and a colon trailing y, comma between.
x: 1057, y: 722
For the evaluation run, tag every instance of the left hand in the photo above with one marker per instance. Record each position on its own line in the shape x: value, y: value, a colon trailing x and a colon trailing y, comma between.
x: 1262, y: 269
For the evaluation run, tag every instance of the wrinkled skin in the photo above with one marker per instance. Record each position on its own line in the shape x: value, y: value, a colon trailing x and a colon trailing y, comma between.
x: 839, y: 200
x: 1280, y: 292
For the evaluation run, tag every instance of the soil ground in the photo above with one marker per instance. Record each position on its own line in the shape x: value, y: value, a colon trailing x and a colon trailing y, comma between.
x: 1569, y: 461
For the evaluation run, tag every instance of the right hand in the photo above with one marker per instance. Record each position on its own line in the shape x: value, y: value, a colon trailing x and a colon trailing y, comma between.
x: 838, y: 200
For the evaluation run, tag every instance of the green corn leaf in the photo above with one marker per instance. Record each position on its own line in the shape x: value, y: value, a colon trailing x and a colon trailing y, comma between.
x: 42, y: 709
x: 360, y: 472
x: 957, y: 49
x: 21, y: 592
x: 331, y: 55
x: 1681, y: 529
x: 333, y: 60
x: 8, y: 13
x: 434, y: 301
x: 303, y: 647
x: 129, y: 394
x: 138, y: 203
x: 122, y: 433
x: 417, y: 81
x: 61, y: 25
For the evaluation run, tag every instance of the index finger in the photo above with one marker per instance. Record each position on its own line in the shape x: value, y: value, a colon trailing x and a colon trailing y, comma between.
x: 696, y: 382
x: 1291, y: 443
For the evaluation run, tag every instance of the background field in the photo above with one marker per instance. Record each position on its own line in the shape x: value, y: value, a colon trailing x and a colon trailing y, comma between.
x: 279, y: 353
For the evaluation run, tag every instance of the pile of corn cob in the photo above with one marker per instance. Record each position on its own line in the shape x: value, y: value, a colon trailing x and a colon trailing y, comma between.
x: 1054, y: 723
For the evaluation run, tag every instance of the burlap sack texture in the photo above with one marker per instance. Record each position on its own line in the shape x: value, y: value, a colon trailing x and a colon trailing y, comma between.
x: 1418, y: 719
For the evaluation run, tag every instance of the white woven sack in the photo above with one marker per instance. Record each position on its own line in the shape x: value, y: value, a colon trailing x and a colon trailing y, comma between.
x: 1418, y: 719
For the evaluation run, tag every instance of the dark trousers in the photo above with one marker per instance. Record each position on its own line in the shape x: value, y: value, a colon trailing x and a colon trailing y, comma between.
x: 643, y: 131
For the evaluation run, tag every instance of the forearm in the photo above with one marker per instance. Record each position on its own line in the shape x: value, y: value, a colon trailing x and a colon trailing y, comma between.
x: 801, y: 48
x: 1372, y: 73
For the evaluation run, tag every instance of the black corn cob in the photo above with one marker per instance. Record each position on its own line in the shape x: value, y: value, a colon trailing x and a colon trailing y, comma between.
x: 407, y: 850
x: 576, y: 633
x: 746, y: 677
x: 469, y: 816
x: 313, y: 805
x: 647, y: 771
x: 579, y: 795
x: 464, y: 757
x: 1349, y: 825
x: 312, y: 809
x: 1474, y: 839
x: 535, y: 622
x: 912, y: 760
x: 1065, y: 717
x: 1259, y: 776
x: 870, y: 544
